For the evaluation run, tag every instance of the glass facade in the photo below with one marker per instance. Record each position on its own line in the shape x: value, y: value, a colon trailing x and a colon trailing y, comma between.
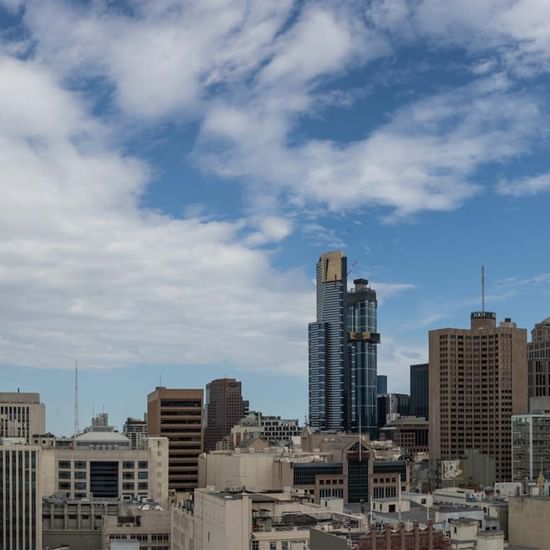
x: 343, y: 351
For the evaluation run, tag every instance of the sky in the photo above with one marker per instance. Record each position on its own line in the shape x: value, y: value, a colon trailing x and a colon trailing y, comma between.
x: 170, y: 172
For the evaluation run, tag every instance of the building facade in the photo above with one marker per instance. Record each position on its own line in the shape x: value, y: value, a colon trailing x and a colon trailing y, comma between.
x: 343, y: 351
x: 539, y: 360
x: 135, y: 429
x: 21, y: 415
x: 381, y: 384
x: 410, y: 433
x: 20, y: 502
x: 177, y: 415
x: 478, y: 380
x: 530, y: 446
x: 420, y: 387
x: 224, y: 409
x: 273, y: 429
x: 106, y: 470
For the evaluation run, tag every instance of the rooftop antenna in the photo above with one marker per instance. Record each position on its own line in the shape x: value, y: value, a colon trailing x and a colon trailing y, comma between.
x: 76, y: 426
x: 483, y: 288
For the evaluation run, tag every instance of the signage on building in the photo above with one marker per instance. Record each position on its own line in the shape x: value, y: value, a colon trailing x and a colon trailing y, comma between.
x: 452, y: 469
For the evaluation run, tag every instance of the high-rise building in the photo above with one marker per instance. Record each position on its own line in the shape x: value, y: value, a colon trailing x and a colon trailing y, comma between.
x: 224, y: 409
x: 539, y: 360
x: 478, y: 380
x: 20, y: 499
x: 135, y: 429
x: 530, y: 446
x: 342, y: 351
x: 381, y: 384
x: 420, y: 387
x: 21, y: 415
x: 177, y: 415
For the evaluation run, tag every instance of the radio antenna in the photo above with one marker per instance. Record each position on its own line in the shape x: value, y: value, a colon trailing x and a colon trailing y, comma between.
x: 76, y: 426
x: 483, y: 288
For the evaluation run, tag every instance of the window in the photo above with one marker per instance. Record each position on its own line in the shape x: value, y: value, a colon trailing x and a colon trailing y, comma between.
x: 64, y: 486
x: 142, y: 486
x: 127, y: 475
x: 143, y: 475
x: 64, y: 474
x: 272, y: 546
x: 127, y: 486
x: 128, y: 465
x: 255, y: 545
x: 80, y: 486
x: 80, y: 475
x: 64, y: 465
x: 143, y: 464
x: 80, y: 465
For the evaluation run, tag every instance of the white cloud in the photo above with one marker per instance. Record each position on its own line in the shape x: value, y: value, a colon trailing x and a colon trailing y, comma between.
x: 524, y: 187
x: 85, y: 273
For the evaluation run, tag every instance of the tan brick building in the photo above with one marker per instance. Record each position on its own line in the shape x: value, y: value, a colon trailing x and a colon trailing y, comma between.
x: 478, y: 380
x: 177, y: 415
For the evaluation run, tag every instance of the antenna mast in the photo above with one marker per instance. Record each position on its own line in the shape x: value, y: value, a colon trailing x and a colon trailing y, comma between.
x: 483, y: 288
x: 76, y: 426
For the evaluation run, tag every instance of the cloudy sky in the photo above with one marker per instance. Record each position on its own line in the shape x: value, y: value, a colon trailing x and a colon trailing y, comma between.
x: 171, y: 170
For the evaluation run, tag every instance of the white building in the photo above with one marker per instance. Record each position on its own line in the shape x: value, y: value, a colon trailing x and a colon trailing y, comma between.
x: 21, y: 415
x: 251, y: 521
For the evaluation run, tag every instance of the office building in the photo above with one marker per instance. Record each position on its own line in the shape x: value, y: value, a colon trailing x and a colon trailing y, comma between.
x: 381, y: 384
x: 107, y: 468
x: 177, y: 415
x: 420, y: 387
x: 391, y: 406
x: 135, y: 429
x: 21, y: 415
x: 20, y: 503
x: 478, y: 380
x: 343, y: 351
x: 539, y: 360
x: 273, y: 429
x: 224, y: 409
x: 409, y: 433
x: 530, y: 446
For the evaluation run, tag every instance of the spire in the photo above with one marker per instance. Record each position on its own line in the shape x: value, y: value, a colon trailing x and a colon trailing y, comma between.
x: 76, y: 414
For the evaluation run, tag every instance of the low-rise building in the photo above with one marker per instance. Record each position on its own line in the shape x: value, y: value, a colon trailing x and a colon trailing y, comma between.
x: 409, y: 433
x: 243, y: 520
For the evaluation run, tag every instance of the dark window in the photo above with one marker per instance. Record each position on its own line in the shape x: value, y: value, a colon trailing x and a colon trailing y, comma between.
x: 104, y: 479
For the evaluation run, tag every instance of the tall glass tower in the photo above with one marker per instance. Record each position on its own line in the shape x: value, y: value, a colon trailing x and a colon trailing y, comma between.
x: 342, y: 351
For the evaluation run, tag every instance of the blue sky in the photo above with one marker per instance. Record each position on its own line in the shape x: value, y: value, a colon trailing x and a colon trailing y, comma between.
x: 172, y: 170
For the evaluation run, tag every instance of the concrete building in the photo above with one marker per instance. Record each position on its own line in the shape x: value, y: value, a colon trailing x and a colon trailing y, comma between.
x: 333, y: 470
x: 539, y: 360
x: 20, y: 504
x: 252, y: 521
x: 273, y: 429
x: 98, y: 524
x: 529, y: 522
x: 409, y: 433
x: 177, y: 415
x: 135, y: 429
x: 381, y: 384
x: 419, y: 403
x: 104, y: 469
x: 478, y: 380
x: 530, y: 446
x: 466, y: 535
x: 224, y: 409
x: 343, y: 351
x: 21, y: 415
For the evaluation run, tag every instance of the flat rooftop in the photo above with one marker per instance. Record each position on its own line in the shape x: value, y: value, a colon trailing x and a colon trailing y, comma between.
x: 19, y: 397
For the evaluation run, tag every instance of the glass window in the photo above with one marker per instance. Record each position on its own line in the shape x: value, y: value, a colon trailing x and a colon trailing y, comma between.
x: 64, y: 474
x: 128, y: 475
x: 143, y: 464
x: 143, y: 475
x: 80, y: 475
x: 128, y: 465
x: 80, y: 465
x: 64, y: 465
x: 64, y: 486
x: 80, y: 486
x: 142, y: 486
x: 128, y: 486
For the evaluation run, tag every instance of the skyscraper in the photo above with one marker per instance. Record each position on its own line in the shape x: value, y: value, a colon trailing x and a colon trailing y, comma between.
x: 20, y: 499
x: 177, y: 415
x: 539, y: 360
x: 381, y: 384
x: 342, y: 351
x: 224, y: 409
x: 478, y: 380
x: 419, y: 402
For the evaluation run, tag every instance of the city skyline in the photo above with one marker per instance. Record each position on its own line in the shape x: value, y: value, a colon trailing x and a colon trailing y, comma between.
x: 149, y: 200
